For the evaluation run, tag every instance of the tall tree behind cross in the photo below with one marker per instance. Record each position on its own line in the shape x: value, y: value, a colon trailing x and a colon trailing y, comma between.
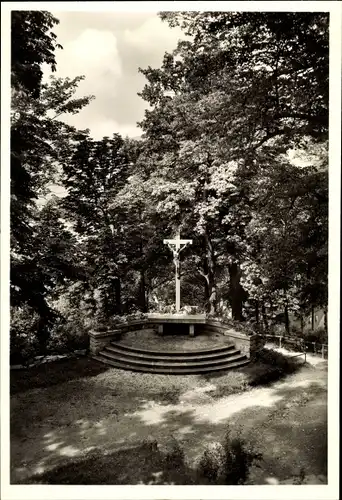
x: 176, y: 245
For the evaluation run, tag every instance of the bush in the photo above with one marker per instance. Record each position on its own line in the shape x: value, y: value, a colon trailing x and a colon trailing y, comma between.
x: 67, y: 336
x: 227, y: 463
x: 274, y: 358
x: 211, y: 464
x: 113, y: 321
x: 150, y: 445
x: 270, y: 366
x: 320, y: 336
x: 63, y: 335
x: 175, y: 457
x: 240, y: 326
x: 24, y: 344
x: 191, y: 310
x: 239, y: 457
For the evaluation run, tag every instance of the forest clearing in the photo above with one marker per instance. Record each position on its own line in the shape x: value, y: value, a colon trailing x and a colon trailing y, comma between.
x: 171, y: 315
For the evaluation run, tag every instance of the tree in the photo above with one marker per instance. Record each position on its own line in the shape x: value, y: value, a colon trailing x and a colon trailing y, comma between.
x: 246, y: 89
x: 39, y: 142
x: 45, y: 264
x: 286, y: 265
x: 93, y: 176
x: 274, y: 66
x: 32, y: 44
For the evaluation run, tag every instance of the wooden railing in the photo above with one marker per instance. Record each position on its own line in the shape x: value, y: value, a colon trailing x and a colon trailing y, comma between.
x: 301, y: 344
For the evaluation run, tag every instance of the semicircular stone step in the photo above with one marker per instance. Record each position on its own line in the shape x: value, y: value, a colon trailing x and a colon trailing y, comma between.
x: 170, y: 363
x: 177, y: 356
x: 152, y: 352
x: 185, y: 370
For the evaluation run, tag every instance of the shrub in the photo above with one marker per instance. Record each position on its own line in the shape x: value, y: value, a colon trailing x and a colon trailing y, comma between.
x: 320, y: 336
x: 67, y: 336
x: 270, y: 366
x: 244, y: 327
x: 191, y: 309
x: 24, y: 344
x: 113, y: 321
x: 211, y: 463
x: 175, y: 457
x: 274, y: 358
x: 150, y: 445
x: 239, y: 457
x: 227, y: 463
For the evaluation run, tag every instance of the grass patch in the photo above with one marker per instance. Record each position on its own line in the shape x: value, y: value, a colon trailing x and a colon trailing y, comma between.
x: 270, y: 366
x: 169, y: 395
x: 266, y: 367
x: 226, y: 463
x: 116, y: 409
x: 143, y: 464
x: 54, y: 373
x: 232, y: 382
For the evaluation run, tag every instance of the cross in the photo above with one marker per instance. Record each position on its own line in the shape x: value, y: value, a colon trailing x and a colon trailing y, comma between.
x: 176, y: 245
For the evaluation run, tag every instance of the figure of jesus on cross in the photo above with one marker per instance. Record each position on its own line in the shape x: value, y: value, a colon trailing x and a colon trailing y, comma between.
x: 176, y: 245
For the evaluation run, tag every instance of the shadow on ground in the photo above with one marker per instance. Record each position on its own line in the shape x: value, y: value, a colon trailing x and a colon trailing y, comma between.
x: 90, y: 431
x: 57, y: 372
x: 142, y: 464
x: 267, y: 366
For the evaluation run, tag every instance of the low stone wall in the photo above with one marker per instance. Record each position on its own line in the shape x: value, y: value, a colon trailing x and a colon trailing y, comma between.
x: 247, y: 344
x: 99, y: 339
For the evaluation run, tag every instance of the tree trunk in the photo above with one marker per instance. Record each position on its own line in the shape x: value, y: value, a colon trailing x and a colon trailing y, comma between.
x: 142, y: 284
x: 264, y: 315
x: 287, y: 320
x: 206, y: 291
x: 302, y: 323
x: 325, y: 312
x: 236, y: 291
x: 257, y: 312
x: 210, y: 275
x: 117, y: 291
x: 142, y: 292
x: 213, y: 300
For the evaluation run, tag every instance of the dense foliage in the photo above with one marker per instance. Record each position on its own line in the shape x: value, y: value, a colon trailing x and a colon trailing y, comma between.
x: 229, y: 109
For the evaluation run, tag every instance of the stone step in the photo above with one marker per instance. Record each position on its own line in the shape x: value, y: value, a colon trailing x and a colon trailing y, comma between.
x: 193, y: 353
x: 185, y: 370
x: 169, y: 363
x: 120, y: 349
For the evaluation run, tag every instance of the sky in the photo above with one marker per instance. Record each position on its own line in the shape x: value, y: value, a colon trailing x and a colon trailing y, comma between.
x: 108, y: 48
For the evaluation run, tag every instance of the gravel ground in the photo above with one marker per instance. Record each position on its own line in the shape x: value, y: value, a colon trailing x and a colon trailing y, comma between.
x: 114, y: 410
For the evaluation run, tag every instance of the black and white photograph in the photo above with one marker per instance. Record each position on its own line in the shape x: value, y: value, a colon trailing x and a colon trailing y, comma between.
x: 170, y: 249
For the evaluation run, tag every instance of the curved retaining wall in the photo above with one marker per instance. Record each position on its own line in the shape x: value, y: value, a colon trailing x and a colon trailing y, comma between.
x: 246, y: 344
x: 98, y: 340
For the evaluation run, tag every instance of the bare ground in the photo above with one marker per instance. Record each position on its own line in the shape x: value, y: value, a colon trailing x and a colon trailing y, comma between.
x: 107, y: 412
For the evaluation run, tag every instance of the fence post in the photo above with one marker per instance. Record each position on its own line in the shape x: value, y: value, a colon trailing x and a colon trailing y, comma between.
x: 314, y: 343
x: 323, y: 351
x: 280, y: 341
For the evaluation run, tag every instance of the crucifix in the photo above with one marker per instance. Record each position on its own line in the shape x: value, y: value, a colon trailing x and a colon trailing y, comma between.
x: 176, y: 245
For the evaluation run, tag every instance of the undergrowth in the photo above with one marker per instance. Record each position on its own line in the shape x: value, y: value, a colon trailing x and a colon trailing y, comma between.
x: 228, y: 463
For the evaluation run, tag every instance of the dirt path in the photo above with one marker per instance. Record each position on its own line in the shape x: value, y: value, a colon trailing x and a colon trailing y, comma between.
x: 114, y: 410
